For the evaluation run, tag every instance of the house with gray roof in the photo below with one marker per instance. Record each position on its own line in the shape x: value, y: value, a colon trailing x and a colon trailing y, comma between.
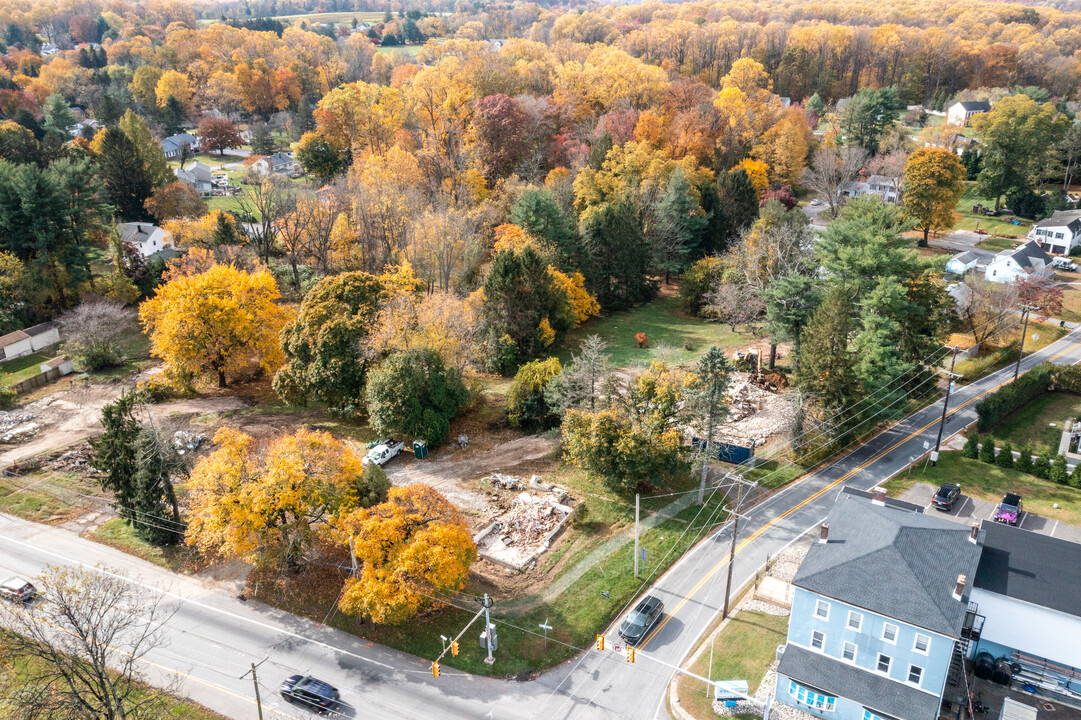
x: 1028, y: 260
x: 173, y: 144
x: 1059, y: 233
x: 197, y: 176
x: 879, y: 611
x: 961, y: 263
x: 961, y: 112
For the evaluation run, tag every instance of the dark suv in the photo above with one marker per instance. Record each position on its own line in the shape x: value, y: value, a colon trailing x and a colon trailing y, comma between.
x: 642, y: 618
x: 306, y: 690
x: 946, y: 496
x: 17, y: 589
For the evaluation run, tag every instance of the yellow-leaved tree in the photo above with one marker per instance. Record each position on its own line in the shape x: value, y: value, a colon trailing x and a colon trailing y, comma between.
x: 221, y: 323
x: 269, y: 509
x: 409, y: 549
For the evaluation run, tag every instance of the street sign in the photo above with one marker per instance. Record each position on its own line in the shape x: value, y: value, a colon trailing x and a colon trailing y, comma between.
x: 1035, y: 336
x: 545, y: 627
x: 643, y: 554
x: 926, y: 445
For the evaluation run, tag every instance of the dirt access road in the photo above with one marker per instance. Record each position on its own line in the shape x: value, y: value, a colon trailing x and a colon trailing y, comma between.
x: 71, y: 416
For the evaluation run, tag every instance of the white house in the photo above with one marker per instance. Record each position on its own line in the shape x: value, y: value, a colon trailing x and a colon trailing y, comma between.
x: 1059, y: 233
x: 878, y: 185
x: 1027, y: 260
x: 171, y: 145
x: 146, y: 237
x: 279, y: 164
x: 961, y: 263
x: 198, y: 176
x: 961, y: 112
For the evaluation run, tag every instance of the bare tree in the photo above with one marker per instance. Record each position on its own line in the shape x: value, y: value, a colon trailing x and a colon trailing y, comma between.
x: 986, y: 308
x: 892, y: 167
x: 263, y: 203
x: 93, y: 330
x: 86, y: 637
x: 734, y: 303
x: 292, y: 230
x: 832, y: 170
x: 320, y: 234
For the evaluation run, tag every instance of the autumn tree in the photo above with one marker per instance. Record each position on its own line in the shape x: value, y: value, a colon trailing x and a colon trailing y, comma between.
x: 707, y: 395
x: 521, y: 301
x: 218, y: 133
x: 173, y: 84
x: 1043, y: 295
x: 501, y: 145
x: 323, y: 346
x: 16, y: 287
x: 832, y: 170
x: 409, y: 550
x: 934, y: 183
x: 269, y: 508
x: 175, y: 200
x: 527, y: 405
x: 985, y: 308
x: 147, y: 149
x: 222, y: 323
x: 416, y: 395
x: 439, y: 321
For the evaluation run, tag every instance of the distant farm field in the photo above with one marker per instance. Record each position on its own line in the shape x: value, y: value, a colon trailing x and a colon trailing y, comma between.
x: 331, y: 17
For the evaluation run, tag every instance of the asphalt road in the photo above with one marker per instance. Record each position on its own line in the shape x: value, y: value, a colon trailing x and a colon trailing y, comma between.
x: 214, y: 638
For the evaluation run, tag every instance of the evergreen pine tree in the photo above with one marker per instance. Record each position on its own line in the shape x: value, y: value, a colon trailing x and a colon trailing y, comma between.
x: 58, y: 117
x: 738, y: 201
x: 987, y: 450
x: 172, y: 115
x: 678, y: 226
x: 1075, y: 478
x: 114, y: 450
x: 225, y: 233
x: 1058, y: 472
x: 1042, y: 467
x: 826, y: 366
x: 126, y: 178
x: 1024, y: 463
x: 1005, y: 456
x: 538, y: 213
x: 599, y: 151
x: 262, y: 140
x: 617, y: 264
x: 155, y: 516
x: 971, y: 450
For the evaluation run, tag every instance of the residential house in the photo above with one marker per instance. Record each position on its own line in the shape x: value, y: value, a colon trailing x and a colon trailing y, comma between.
x: 961, y: 112
x: 280, y: 163
x: 880, y: 605
x: 198, y: 176
x: 1026, y: 590
x: 879, y: 185
x: 24, y: 342
x: 1059, y: 233
x: 172, y: 145
x: 1026, y: 260
x: 961, y: 263
x: 147, y: 238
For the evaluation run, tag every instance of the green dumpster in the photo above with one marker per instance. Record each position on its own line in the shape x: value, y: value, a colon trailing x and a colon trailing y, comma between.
x: 420, y: 449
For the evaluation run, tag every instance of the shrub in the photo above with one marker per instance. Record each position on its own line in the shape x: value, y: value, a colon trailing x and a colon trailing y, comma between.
x: 1075, y: 478
x: 526, y: 405
x: 1042, y: 467
x: 996, y: 406
x: 414, y: 393
x: 971, y: 450
x: 1058, y: 472
x: 1024, y: 463
x: 7, y: 397
x: 642, y: 340
x: 987, y: 450
x: 1005, y: 456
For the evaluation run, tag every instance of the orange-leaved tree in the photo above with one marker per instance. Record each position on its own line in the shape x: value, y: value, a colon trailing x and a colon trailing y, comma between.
x: 221, y: 323
x: 409, y: 550
x: 934, y: 184
x: 269, y: 509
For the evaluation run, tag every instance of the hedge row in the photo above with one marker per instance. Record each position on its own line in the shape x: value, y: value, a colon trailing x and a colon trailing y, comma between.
x: 1038, y: 381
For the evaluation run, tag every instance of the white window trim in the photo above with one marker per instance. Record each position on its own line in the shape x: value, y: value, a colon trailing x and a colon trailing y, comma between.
x: 908, y: 677
x: 889, y: 667
x: 859, y: 621
x: 896, y: 632
x: 822, y: 604
x: 812, y: 645
x: 915, y: 644
x: 855, y: 651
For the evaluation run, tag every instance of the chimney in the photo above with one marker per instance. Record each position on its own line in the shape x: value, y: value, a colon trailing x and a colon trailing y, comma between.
x: 879, y: 497
x: 974, y: 534
x: 824, y: 533
x: 959, y: 588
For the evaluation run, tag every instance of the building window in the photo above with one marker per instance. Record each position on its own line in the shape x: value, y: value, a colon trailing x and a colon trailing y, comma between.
x: 822, y: 610
x: 922, y: 643
x: 884, y: 662
x: 915, y: 674
x: 818, y: 640
x: 868, y: 715
x: 1058, y: 236
x: 849, y: 652
x: 889, y: 633
x: 811, y: 698
x: 855, y: 621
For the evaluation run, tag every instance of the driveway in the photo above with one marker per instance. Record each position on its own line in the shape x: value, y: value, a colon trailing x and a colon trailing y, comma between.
x: 960, y: 241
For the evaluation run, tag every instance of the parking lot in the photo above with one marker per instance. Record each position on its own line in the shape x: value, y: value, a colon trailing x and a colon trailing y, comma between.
x: 968, y: 510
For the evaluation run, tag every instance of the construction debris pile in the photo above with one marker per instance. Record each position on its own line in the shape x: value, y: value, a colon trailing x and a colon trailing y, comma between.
x: 16, y: 426
x: 516, y: 537
x: 77, y: 459
x: 755, y: 412
x: 185, y: 441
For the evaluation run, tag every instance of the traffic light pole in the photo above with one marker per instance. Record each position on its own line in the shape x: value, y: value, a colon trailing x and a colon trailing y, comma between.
x: 453, y: 645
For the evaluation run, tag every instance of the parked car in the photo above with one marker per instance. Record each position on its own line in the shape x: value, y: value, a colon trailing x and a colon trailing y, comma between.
x: 1061, y: 263
x: 644, y: 616
x: 306, y: 690
x: 946, y: 496
x: 1009, y: 510
x: 18, y: 590
x: 382, y: 453
x: 816, y: 202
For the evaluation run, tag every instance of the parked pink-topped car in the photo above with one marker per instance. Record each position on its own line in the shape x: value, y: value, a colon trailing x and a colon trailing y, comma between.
x: 1009, y: 510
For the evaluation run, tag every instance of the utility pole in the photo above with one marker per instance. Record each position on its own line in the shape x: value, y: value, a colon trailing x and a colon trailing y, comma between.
x: 255, y: 681
x: 637, y: 507
x: 945, y: 405
x: 740, y: 482
x: 488, y: 629
x: 1024, y: 331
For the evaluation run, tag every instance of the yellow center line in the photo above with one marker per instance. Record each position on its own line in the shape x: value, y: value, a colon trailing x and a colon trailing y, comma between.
x: 753, y: 536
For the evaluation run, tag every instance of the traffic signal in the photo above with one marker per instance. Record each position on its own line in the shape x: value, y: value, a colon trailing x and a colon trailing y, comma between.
x: 630, y: 654
x: 435, y: 669
x: 600, y: 642
x: 453, y: 647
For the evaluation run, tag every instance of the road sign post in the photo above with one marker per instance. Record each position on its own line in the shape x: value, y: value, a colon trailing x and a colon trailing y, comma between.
x: 545, y: 627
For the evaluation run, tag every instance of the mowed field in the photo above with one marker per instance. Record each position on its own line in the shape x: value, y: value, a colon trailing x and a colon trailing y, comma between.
x: 331, y: 17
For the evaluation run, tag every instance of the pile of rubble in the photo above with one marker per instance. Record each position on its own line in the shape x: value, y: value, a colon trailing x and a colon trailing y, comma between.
x: 16, y: 426
x: 755, y: 414
x: 527, y: 528
x: 531, y: 517
x: 185, y: 441
x: 77, y: 459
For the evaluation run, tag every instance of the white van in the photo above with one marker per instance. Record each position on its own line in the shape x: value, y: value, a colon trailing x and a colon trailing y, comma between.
x: 1063, y: 263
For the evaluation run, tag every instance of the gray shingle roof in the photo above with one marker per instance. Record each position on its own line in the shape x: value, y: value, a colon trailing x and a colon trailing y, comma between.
x: 965, y: 257
x: 1039, y: 569
x: 892, y: 560
x: 975, y: 105
x: 1027, y: 254
x: 40, y: 329
x: 13, y: 337
x: 875, y: 692
x: 1061, y: 218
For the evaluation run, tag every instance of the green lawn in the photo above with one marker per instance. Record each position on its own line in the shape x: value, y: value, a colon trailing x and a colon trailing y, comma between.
x: 743, y: 650
x: 332, y: 17
x: 118, y: 534
x: 30, y: 498
x: 998, y: 244
x: 996, y: 358
x: 993, y: 225
x: 664, y: 324
x: 990, y: 482
x: 410, y: 50
x: 1032, y: 423
x: 15, y: 371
